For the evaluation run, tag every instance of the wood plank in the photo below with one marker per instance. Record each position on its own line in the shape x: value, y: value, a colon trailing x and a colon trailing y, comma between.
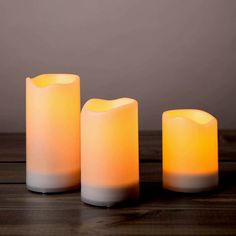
x: 139, y: 221
x: 150, y: 146
x: 26, y: 213
x: 227, y: 145
x: 12, y: 146
x: 128, y: 222
x: 12, y: 173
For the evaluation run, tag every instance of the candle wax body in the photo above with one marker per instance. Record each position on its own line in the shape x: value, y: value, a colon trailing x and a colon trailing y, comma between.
x: 109, y: 151
x: 53, y: 132
x: 190, y: 150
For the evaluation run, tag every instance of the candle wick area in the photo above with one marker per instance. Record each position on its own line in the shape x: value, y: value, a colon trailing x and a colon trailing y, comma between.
x: 197, y: 116
x: 101, y: 105
x: 46, y: 80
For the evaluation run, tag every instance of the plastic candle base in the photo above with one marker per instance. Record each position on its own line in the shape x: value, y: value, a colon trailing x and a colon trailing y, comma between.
x: 52, y: 183
x: 51, y: 190
x: 190, y: 183
x: 109, y: 152
x: 190, y: 150
x: 53, y: 132
x: 108, y: 197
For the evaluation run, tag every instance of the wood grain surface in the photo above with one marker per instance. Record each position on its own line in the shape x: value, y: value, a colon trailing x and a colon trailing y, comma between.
x: 159, y: 212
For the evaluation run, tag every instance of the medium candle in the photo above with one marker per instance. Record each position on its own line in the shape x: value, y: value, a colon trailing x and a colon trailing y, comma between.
x: 190, y: 150
x: 53, y: 132
x: 109, y: 151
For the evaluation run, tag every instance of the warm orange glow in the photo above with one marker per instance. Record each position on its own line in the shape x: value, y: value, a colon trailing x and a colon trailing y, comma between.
x: 53, y: 129
x: 109, y: 144
x: 198, y: 116
x: 53, y: 79
x: 190, y: 145
x: 100, y: 105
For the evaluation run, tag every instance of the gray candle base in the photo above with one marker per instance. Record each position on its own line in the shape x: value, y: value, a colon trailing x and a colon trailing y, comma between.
x: 52, y: 183
x: 109, y: 197
x: 190, y: 183
x: 51, y: 190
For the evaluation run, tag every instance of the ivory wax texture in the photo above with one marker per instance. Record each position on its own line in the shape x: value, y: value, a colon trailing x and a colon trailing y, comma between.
x: 53, y: 132
x: 190, y: 150
x: 109, y: 151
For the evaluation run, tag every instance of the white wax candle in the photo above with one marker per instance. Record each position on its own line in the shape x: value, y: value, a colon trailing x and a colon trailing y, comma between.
x: 53, y: 132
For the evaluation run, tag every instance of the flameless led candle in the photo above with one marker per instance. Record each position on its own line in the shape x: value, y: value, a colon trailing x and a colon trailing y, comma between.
x: 53, y: 132
x: 190, y: 150
x: 109, y: 151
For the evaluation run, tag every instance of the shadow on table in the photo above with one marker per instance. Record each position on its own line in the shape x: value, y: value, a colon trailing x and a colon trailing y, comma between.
x: 153, y: 192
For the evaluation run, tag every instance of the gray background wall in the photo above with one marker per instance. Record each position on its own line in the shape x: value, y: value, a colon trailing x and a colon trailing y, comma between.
x: 166, y: 54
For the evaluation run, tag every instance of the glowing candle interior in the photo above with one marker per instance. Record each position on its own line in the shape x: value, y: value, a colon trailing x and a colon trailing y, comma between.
x: 190, y: 150
x: 53, y: 132
x: 109, y: 151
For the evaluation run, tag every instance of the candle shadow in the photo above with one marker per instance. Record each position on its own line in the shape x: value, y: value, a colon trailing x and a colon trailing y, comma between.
x: 154, y: 193
x: 227, y: 181
x: 150, y: 191
x: 75, y: 190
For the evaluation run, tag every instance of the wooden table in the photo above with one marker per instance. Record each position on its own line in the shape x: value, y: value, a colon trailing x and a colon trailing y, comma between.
x: 159, y: 212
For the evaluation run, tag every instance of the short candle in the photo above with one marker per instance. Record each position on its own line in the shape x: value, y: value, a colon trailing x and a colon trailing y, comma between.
x: 109, y: 151
x: 190, y: 150
x: 53, y: 132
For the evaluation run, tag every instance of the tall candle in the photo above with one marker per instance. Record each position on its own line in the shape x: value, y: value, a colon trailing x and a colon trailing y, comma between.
x: 190, y: 150
x: 109, y: 151
x: 53, y: 132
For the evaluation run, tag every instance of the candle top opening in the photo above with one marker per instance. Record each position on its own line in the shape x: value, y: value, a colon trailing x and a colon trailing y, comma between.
x: 102, y: 105
x: 52, y: 79
x: 197, y: 116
